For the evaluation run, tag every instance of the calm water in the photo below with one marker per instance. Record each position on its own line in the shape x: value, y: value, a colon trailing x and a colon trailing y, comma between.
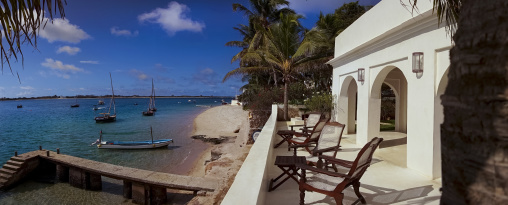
x: 54, y: 124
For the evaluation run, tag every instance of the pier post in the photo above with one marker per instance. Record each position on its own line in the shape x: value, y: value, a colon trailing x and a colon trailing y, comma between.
x: 140, y: 193
x: 58, y: 150
x: 62, y: 173
x: 16, y: 153
x: 76, y: 177
x: 47, y: 153
x: 94, y: 182
x: 158, y: 195
x: 40, y: 147
x: 127, y: 189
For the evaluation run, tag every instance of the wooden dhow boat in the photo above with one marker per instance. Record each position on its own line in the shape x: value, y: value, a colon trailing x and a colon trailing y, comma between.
x: 147, y: 144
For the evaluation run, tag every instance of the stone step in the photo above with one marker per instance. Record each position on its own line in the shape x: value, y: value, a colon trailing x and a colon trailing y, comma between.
x: 15, y: 163
x: 7, y: 171
x: 2, y: 182
x: 19, y: 159
x: 11, y: 167
x: 5, y: 176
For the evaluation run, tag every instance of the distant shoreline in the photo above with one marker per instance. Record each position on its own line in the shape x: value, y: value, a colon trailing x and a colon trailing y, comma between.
x: 107, y: 96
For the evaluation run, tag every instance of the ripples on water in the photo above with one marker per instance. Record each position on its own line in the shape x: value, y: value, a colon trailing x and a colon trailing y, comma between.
x: 54, y: 124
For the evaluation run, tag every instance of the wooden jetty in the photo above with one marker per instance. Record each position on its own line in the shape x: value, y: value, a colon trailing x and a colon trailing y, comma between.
x: 142, y: 186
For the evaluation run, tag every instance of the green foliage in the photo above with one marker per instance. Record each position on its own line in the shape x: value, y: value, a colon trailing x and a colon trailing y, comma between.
x: 320, y: 102
x: 387, y: 125
x: 21, y: 21
x: 261, y: 98
x: 298, y: 92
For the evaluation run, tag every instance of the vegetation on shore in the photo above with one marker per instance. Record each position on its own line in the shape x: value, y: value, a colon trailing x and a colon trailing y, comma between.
x: 283, y: 62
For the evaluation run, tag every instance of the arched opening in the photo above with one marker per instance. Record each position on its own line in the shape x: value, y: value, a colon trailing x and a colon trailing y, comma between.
x: 347, y: 105
x: 438, y: 120
x: 390, y: 102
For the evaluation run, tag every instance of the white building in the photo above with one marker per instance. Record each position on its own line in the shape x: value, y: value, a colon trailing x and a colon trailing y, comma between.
x: 382, y: 42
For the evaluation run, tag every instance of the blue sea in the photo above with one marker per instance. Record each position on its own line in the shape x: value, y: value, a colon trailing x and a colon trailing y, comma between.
x: 54, y: 124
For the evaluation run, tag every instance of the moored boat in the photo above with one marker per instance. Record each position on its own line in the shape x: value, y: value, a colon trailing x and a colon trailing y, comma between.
x: 147, y: 144
x: 107, y: 116
x: 19, y: 106
x: 151, y: 104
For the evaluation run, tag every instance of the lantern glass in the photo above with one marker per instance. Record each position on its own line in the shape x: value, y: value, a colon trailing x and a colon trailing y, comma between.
x: 361, y: 74
x: 418, y: 62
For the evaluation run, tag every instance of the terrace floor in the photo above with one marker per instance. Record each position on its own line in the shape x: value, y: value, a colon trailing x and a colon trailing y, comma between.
x: 387, y: 181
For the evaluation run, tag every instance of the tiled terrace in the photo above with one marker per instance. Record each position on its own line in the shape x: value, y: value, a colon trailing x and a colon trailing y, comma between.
x: 387, y: 181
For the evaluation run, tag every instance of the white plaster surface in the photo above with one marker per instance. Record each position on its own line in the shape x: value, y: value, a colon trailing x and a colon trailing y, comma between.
x: 383, y: 40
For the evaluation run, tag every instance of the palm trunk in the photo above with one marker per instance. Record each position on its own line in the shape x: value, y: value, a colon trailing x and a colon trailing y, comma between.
x: 474, y: 134
x: 286, y: 113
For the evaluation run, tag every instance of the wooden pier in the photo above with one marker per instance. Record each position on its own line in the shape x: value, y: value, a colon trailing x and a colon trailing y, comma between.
x: 142, y: 186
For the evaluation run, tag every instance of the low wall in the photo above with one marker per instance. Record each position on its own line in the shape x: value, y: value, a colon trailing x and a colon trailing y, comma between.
x: 251, y: 182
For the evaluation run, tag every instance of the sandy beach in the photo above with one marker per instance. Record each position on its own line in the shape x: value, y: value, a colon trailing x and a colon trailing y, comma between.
x: 222, y: 161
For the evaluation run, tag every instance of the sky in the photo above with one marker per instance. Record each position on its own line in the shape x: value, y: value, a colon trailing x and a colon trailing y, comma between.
x: 179, y: 44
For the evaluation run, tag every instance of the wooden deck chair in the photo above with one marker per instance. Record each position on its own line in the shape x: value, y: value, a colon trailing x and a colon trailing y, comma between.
x: 310, y: 121
x: 287, y: 135
x: 308, y: 138
x: 326, y: 144
x: 333, y: 183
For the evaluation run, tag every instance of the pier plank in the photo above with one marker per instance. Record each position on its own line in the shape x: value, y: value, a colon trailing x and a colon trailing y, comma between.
x: 161, y: 179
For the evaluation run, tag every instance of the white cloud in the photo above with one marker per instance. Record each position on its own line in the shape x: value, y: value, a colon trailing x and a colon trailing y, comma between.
x: 117, y: 32
x: 172, y: 19
x: 60, y: 69
x: 90, y: 62
x: 140, y: 75
x: 62, y: 30
x: 26, y: 87
x: 69, y: 50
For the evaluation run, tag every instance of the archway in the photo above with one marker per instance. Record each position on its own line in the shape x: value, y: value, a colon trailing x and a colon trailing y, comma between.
x: 438, y: 120
x: 394, y: 78
x: 347, y: 105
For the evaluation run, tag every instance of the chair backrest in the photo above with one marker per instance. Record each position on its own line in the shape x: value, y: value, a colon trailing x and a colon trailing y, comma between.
x: 330, y: 136
x: 312, y: 120
x: 364, y: 158
x: 316, y: 131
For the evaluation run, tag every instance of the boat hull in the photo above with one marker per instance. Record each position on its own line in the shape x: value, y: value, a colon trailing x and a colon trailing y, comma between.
x: 134, y: 144
x: 109, y: 118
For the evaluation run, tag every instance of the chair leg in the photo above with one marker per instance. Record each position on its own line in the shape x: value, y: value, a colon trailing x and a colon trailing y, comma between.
x: 339, y: 198
x: 356, y: 187
x: 302, y: 196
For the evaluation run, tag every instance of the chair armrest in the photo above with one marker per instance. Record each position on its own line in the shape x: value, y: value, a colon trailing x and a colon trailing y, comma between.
x: 341, y: 162
x: 320, y: 151
x: 301, y: 145
x: 322, y: 171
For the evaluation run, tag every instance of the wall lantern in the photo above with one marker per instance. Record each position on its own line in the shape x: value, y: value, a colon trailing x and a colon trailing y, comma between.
x: 418, y: 62
x: 361, y: 75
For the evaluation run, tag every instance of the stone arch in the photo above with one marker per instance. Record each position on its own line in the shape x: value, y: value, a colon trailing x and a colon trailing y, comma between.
x: 438, y: 120
x: 397, y: 81
x: 347, y: 104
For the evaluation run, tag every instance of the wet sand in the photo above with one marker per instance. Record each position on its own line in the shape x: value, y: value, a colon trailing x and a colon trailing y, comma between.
x: 222, y: 121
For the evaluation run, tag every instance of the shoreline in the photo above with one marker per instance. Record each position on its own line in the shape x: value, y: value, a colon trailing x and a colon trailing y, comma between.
x: 221, y: 161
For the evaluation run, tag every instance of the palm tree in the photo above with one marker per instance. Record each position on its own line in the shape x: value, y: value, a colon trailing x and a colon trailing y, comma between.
x: 262, y: 15
x: 21, y: 21
x: 283, y: 52
x: 474, y: 141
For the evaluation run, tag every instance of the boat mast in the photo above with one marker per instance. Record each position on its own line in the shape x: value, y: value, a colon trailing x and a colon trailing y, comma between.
x: 151, y: 134
x: 113, y: 96
x: 153, y: 93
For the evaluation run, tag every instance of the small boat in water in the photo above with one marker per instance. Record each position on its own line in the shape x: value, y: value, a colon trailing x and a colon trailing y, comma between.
x: 148, y: 144
x: 101, y: 102
x: 20, y: 106
x: 151, y: 104
x: 75, y: 104
x: 107, y: 116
